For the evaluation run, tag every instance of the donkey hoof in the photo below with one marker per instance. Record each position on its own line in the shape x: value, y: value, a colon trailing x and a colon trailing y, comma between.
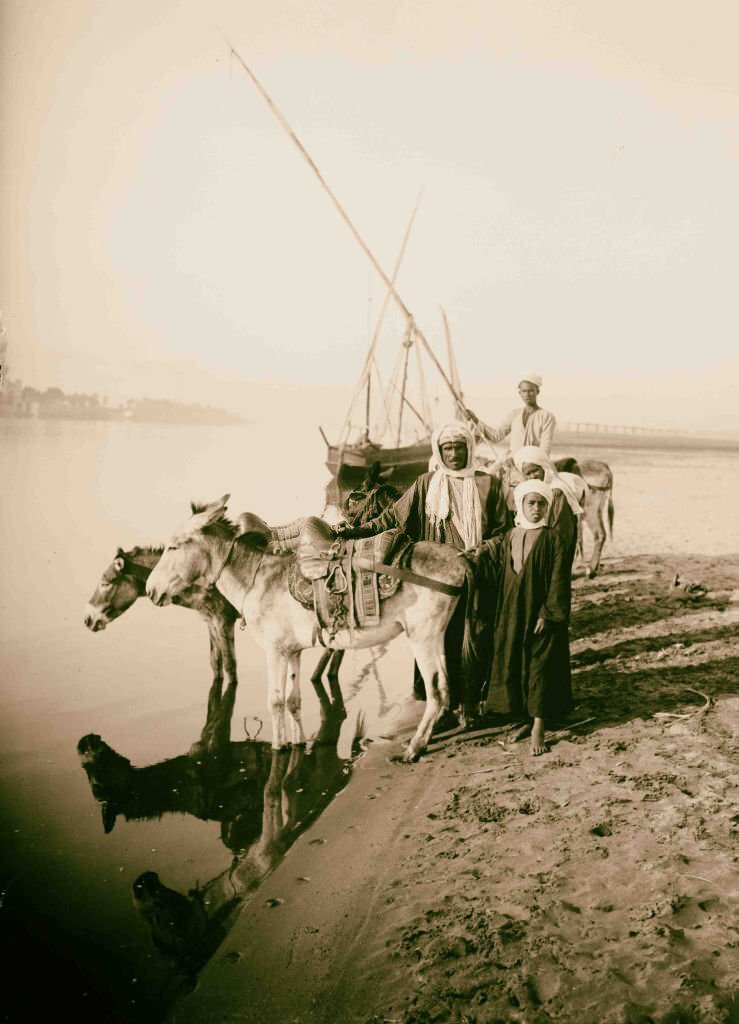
x: 411, y: 755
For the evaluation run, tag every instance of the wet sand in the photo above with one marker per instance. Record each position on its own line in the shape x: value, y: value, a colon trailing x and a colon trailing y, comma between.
x: 594, y: 883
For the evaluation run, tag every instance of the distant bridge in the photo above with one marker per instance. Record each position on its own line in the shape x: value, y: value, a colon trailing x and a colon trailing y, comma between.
x: 608, y: 435
x: 610, y: 428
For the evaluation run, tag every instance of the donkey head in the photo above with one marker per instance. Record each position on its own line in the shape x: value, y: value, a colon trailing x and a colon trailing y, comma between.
x: 192, y: 557
x: 116, y: 591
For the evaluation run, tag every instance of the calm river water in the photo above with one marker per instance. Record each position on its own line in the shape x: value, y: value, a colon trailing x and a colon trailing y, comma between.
x: 112, y: 899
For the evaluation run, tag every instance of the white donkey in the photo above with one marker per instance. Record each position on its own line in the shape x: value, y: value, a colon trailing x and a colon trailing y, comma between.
x: 209, y: 551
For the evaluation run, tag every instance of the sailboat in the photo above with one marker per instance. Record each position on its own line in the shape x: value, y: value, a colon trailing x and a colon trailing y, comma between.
x: 356, y: 452
x: 383, y: 443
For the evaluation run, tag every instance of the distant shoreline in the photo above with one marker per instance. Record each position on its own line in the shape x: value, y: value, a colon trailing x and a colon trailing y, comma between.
x: 564, y: 439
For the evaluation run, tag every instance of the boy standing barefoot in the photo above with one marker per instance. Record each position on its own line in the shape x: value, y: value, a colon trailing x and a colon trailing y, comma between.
x: 530, y: 676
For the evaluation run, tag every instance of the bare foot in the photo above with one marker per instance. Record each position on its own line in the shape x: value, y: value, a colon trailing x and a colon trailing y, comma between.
x: 537, y: 738
x: 520, y: 733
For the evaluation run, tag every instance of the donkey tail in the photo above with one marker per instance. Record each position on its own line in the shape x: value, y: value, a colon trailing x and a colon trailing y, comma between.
x: 610, y: 514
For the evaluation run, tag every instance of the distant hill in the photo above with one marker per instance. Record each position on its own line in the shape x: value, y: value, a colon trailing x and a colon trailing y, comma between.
x: 162, y: 410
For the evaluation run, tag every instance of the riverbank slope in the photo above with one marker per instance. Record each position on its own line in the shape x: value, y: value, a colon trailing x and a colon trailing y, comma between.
x: 593, y: 883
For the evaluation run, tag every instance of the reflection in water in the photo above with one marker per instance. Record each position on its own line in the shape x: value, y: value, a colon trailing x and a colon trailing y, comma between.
x: 263, y: 799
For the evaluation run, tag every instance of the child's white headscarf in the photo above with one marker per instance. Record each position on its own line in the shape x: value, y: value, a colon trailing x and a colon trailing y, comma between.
x: 531, y: 453
x: 438, y: 501
x: 520, y: 492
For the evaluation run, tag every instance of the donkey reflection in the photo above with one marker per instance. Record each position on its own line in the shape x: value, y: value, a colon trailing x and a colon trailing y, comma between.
x: 263, y: 798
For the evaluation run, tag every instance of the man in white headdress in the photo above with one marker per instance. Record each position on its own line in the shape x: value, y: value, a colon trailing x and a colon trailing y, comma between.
x: 529, y: 425
x: 454, y: 504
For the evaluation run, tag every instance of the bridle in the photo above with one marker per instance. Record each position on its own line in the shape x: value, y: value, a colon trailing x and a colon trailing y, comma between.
x: 133, y: 569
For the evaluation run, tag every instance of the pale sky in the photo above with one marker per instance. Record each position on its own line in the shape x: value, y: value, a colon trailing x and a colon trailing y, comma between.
x: 579, y: 212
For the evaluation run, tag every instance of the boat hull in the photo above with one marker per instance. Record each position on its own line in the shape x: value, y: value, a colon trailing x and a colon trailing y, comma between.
x: 348, y: 465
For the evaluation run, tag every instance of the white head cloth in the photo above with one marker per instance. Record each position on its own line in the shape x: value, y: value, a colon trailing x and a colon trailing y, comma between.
x: 531, y: 487
x: 468, y: 521
x: 531, y: 453
x: 532, y: 378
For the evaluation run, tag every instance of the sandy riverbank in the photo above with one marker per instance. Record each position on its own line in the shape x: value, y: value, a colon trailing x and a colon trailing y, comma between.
x: 592, y: 884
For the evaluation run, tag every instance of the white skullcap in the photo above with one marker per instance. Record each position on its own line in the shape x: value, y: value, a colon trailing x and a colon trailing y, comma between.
x: 532, y: 378
x: 532, y: 454
x: 520, y: 492
x: 454, y: 431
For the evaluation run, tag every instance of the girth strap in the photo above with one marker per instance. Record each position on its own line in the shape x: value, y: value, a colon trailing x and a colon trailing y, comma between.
x: 409, y: 577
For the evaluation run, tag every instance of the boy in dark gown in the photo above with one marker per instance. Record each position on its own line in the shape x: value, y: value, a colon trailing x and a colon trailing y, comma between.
x: 530, y: 677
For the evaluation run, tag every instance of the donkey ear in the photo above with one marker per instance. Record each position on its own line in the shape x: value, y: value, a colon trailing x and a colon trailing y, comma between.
x: 216, y: 509
x: 212, y: 510
x: 217, y: 506
x: 119, y: 563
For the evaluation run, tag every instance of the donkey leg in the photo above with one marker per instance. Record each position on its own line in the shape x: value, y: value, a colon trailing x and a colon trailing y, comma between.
x: 210, y: 730
x: 337, y: 698
x: 228, y: 698
x: 317, y: 678
x: 294, y: 702
x: 599, y: 537
x: 276, y: 679
x: 431, y: 661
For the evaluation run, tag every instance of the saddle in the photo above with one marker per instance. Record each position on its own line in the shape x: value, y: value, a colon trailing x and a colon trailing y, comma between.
x: 252, y: 526
x: 337, y: 579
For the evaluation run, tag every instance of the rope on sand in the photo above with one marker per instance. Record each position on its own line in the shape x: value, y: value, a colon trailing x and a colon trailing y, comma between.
x: 697, y: 713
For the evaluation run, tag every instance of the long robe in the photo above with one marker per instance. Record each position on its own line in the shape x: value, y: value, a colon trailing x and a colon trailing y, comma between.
x: 409, y: 514
x: 564, y: 522
x: 530, y: 675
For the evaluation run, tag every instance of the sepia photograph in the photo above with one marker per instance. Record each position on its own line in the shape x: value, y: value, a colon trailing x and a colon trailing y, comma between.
x: 369, y: 534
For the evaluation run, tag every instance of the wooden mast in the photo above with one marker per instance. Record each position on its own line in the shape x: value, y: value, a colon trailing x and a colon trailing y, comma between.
x: 342, y: 212
x: 366, y: 374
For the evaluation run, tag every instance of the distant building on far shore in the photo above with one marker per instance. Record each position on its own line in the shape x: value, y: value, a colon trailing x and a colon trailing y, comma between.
x: 21, y: 402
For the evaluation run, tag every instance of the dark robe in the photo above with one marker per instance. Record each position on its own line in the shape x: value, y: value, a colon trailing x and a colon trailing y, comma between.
x: 530, y: 675
x: 564, y: 522
x: 409, y: 515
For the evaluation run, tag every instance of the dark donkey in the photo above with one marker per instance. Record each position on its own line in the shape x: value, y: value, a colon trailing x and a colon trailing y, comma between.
x: 124, y: 582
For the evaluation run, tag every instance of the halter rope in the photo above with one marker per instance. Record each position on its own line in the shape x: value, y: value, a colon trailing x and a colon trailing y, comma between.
x: 242, y: 620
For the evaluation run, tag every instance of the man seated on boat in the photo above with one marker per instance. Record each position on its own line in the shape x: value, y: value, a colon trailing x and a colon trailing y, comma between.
x: 455, y: 504
x: 530, y: 425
